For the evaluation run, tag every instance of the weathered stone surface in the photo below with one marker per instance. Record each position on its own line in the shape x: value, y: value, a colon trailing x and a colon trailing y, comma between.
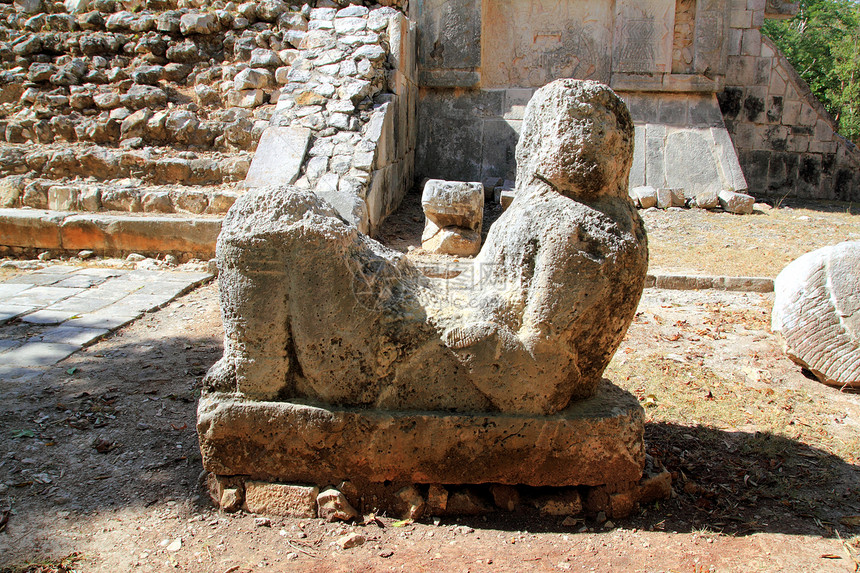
x: 413, y: 503
x: 451, y: 240
x: 469, y: 350
x: 453, y: 203
x: 332, y: 505
x: 733, y: 202
x: 690, y: 162
x: 199, y: 23
x: 593, y: 442
x: 281, y: 499
x: 706, y: 200
x: 279, y: 156
x: 529, y: 45
x: 816, y: 308
x: 646, y: 195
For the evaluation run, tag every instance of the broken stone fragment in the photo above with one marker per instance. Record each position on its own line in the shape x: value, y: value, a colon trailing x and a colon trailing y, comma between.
x: 332, y: 505
x: 231, y: 499
x: 670, y: 197
x: 739, y: 203
x: 646, y: 196
x: 413, y: 503
x: 467, y: 501
x: 560, y: 503
x: 505, y: 497
x: 350, y: 540
x: 708, y: 199
x: 452, y: 240
x: 437, y: 499
x: 453, y: 203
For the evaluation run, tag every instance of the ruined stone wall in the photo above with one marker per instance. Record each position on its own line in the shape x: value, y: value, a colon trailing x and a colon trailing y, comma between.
x: 787, y: 143
x: 480, y: 63
x: 345, y: 121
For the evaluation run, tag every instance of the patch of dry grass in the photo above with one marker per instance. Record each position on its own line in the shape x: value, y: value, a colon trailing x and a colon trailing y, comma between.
x: 693, y: 241
x: 674, y: 392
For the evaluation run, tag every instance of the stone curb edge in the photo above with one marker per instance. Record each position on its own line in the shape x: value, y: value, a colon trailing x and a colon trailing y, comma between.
x: 116, y: 234
x: 108, y: 234
x: 699, y: 282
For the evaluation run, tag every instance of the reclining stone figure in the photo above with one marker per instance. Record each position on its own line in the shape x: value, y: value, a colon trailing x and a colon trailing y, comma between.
x: 316, y: 312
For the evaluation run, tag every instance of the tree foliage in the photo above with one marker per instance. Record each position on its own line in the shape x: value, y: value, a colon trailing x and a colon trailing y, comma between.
x: 823, y: 44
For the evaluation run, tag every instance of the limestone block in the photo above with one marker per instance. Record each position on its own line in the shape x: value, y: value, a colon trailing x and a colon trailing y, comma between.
x: 677, y: 197
x: 816, y: 309
x: 643, y: 36
x: 450, y: 34
x: 279, y: 157
x: 27, y: 6
x: 31, y: 228
x: 664, y: 198
x: 690, y: 162
x: 281, y: 499
x: 454, y: 203
x: 245, y: 98
x: 594, y: 441
x: 524, y: 45
x: 646, y: 195
x: 734, y: 202
x: 251, y: 79
x: 706, y: 200
x: 199, y: 23
x: 62, y: 198
x: 451, y: 240
x: 114, y: 233
x: 352, y: 208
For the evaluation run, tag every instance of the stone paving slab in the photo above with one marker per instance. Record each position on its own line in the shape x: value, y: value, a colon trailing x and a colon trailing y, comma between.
x: 45, y: 316
x: 7, y: 290
x: 10, y: 311
x: 38, y: 354
x: 42, y: 296
x: 84, y: 303
x: 76, y: 335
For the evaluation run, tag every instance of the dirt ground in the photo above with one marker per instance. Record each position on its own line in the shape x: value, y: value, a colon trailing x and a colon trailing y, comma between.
x: 100, y: 471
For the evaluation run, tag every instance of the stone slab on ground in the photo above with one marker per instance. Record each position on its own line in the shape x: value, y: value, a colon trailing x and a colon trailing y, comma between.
x: 100, y: 301
x: 594, y: 442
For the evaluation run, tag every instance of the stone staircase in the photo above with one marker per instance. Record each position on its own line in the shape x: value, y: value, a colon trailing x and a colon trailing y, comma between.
x: 136, y: 114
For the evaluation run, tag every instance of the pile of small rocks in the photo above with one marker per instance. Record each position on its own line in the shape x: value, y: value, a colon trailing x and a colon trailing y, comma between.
x: 646, y: 197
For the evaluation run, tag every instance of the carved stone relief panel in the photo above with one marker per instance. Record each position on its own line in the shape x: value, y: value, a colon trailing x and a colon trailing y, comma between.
x: 528, y: 43
x: 644, y: 33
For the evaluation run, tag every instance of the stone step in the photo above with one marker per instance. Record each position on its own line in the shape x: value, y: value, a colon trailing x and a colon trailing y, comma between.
x: 123, y: 195
x: 29, y: 231
x: 152, y: 165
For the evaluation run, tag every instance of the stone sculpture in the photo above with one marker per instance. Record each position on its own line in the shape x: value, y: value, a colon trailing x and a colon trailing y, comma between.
x: 344, y: 363
x: 315, y: 310
x: 816, y: 308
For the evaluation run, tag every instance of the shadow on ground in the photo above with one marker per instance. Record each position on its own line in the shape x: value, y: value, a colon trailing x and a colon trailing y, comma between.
x: 114, y: 427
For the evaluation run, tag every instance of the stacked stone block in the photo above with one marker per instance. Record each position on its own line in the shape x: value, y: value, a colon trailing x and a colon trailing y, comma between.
x: 787, y: 143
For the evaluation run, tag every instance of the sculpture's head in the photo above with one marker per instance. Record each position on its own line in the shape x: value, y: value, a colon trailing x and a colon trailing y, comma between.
x: 578, y: 137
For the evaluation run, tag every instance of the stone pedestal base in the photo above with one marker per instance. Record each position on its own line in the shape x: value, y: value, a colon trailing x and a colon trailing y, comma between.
x: 595, y: 442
